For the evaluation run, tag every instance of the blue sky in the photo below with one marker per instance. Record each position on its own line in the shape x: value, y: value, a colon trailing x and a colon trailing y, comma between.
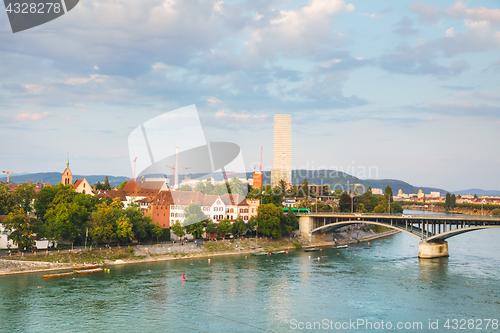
x: 410, y: 89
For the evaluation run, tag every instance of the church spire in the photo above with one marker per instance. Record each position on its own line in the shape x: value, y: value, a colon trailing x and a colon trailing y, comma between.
x: 67, y: 161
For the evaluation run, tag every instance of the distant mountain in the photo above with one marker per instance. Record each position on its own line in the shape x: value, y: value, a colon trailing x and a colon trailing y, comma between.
x: 335, y: 179
x: 479, y: 192
x: 54, y: 178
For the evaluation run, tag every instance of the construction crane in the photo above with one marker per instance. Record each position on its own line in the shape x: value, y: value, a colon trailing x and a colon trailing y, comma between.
x: 9, y: 172
x: 228, y: 173
x: 173, y: 174
x: 185, y: 172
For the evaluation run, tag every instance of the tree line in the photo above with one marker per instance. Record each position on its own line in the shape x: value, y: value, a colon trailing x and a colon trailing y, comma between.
x: 270, y: 221
x: 61, y: 214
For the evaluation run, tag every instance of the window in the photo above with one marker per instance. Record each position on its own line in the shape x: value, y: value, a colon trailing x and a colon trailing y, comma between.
x: 245, y: 218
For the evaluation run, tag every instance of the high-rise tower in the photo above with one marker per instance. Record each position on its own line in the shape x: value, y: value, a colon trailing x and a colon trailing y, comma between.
x: 282, y: 155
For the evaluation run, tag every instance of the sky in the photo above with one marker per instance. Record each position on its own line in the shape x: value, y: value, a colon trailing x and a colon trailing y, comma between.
x: 406, y: 90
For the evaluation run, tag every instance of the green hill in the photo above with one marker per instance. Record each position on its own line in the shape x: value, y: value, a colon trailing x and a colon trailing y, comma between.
x: 54, y: 178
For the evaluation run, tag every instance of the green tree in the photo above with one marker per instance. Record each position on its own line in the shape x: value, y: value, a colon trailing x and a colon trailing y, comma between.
x: 293, y: 221
x: 19, y: 227
x: 200, y: 187
x: 178, y: 229
x: 98, y: 186
x: 447, y: 202
x: 269, y: 217
x: 103, y: 220
x: 24, y: 196
x: 271, y: 196
x: 193, y: 214
x: 7, y: 202
x: 139, y: 225
x: 185, y: 188
x: 380, y: 209
x: 67, y: 216
x: 239, y: 227
x: 224, y: 227
x: 252, y: 224
x: 195, y: 229
x: 106, y: 186
x: 304, y: 189
x: 388, y: 193
x: 44, y: 200
x: 122, y: 185
x: 367, y: 200
x: 453, y: 201
x: 66, y: 221
x: 123, y: 229
x: 495, y: 212
x: 154, y: 229
x: 282, y: 187
x: 211, y: 228
x: 345, y: 202
x: 209, y: 187
x: 360, y: 208
x: 396, y: 208
x: 237, y: 186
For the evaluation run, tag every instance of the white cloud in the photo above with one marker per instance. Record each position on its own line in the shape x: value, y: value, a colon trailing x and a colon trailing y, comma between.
x: 296, y: 31
x: 242, y: 116
x: 160, y: 65
x: 329, y: 63
x: 82, y: 80
x: 460, y: 10
x: 213, y: 100
x: 427, y: 13
x: 80, y: 106
x: 374, y: 16
x: 35, y: 88
x: 27, y: 115
x: 450, y: 32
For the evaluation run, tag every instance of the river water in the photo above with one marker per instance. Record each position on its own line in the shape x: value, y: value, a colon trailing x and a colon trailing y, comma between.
x: 348, y: 290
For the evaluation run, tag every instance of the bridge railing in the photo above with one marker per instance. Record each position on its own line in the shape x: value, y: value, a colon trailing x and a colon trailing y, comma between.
x: 465, y: 217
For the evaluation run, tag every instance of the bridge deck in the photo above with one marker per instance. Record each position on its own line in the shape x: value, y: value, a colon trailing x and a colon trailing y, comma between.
x: 426, y: 227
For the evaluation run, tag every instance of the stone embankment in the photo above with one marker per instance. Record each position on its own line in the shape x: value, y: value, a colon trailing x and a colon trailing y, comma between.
x: 21, y: 266
x: 171, y: 251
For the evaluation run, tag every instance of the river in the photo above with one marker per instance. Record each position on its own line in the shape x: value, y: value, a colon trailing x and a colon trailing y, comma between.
x: 379, y: 284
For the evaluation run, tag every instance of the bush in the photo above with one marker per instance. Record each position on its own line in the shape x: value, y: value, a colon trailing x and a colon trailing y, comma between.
x: 297, y: 245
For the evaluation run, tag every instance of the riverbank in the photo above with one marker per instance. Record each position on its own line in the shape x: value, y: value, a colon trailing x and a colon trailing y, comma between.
x: 139, y: 254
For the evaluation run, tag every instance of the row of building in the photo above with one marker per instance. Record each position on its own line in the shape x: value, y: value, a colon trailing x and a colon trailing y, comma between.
x: 166, y: 207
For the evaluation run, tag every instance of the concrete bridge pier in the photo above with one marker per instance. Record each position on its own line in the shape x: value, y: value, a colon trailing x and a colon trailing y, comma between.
x: 428, y: 250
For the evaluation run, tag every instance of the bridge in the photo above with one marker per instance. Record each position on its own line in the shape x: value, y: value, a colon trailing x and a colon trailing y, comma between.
x: 431, y: 230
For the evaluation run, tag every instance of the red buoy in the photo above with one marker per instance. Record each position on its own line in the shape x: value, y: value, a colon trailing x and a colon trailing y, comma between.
x: 183, y: 276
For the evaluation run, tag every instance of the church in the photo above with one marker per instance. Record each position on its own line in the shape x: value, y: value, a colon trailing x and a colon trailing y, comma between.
x: 80, y: 185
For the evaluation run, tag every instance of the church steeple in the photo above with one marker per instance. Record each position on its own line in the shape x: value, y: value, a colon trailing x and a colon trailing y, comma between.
x: 67, y: 176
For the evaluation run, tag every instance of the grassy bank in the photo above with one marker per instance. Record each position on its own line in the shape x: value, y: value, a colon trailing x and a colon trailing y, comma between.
x: 97, y: 256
